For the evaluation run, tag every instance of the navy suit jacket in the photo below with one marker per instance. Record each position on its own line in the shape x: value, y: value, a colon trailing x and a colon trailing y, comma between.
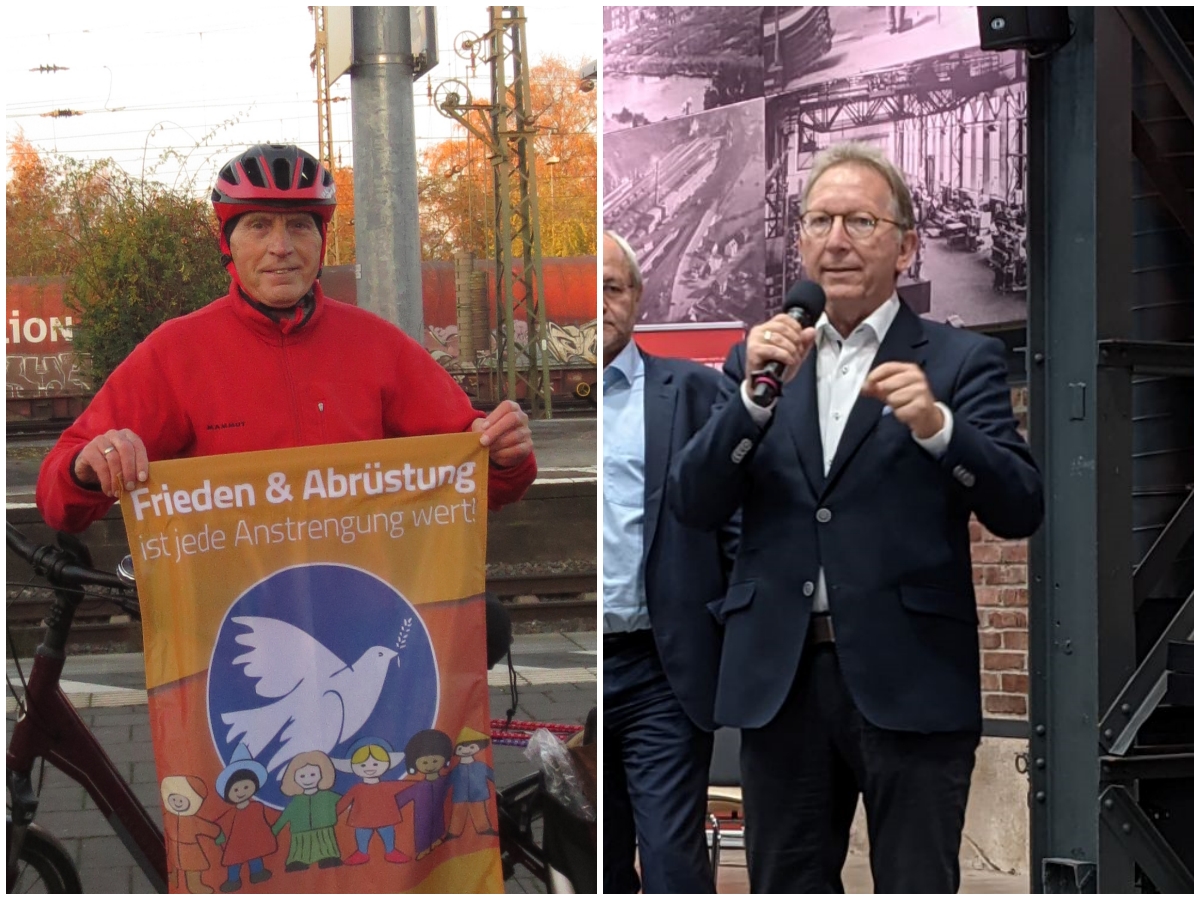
x: 888, y: 524
x: 685, y: 567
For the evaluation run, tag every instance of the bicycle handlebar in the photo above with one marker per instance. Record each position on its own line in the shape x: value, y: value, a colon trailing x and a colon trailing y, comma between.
x: 56, y: 565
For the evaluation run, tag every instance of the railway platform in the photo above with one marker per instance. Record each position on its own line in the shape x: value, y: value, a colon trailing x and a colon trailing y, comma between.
x: 556, y: 682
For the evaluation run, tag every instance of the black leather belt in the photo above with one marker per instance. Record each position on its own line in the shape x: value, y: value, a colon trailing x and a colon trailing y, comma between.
x: 616, y: 641
x: 820, y: 629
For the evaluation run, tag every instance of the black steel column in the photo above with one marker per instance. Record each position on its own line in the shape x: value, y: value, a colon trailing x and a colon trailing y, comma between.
x: 1079, y: 185
x: 1111, y: 343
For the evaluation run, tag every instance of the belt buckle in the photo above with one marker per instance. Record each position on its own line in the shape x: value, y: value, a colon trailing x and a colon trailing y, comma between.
x: 820, y: 629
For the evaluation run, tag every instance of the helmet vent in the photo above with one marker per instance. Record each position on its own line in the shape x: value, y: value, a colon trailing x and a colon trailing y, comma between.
x: 308, y: 171
x: 327, y: 178
x: 254, y: 173
x: 283, y: 174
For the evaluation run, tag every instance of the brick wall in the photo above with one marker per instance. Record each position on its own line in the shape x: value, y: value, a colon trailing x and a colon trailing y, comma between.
x: 1002, y: 595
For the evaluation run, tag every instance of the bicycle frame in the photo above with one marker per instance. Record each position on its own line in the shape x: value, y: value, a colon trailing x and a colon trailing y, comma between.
x: 52, y: 730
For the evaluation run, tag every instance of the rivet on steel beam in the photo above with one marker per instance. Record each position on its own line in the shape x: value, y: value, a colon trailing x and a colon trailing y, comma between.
x: 1108, y: 733
x: 1041, y: 729
x: 1040, y: 796
x: 1127, y: 828
x: 1040, y: 763
x: 1109, y: 803
x: 1126, y: 708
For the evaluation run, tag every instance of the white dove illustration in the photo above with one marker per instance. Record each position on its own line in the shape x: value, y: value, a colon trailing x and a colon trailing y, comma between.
x: 319, y: 701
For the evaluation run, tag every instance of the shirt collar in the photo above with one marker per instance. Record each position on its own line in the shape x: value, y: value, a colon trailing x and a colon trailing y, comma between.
x: 629, y: 362
x: 878, y: 322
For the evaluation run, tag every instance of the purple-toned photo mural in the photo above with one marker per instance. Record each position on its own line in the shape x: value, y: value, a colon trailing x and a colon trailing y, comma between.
x: 663, y: 62
x: 687, y: 195
x: 909, y: 79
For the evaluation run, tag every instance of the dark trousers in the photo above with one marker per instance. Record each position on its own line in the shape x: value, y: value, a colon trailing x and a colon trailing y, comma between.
x: 655, y: 777
x: 801, y: 777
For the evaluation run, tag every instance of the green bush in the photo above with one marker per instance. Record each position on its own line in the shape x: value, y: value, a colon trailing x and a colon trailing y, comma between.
x: 144, y: 254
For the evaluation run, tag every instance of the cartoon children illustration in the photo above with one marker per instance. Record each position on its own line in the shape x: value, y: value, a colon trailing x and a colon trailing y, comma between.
x: 469, y: 786
x: 312, y: 812
x: 182, y: 796
x: 427, y: 753
x: 245, y: 832
x: 372, y: 802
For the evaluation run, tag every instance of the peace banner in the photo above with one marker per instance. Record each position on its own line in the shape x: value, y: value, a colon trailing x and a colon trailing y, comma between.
x: 315, y: 661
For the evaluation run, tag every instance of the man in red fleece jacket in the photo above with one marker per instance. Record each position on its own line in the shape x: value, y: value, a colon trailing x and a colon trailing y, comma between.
x: 272, y: 364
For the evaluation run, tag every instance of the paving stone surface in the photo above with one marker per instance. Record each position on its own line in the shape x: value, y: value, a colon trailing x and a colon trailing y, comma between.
x: 67, y: 812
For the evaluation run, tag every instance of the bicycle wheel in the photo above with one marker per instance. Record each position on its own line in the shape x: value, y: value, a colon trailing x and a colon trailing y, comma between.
x: 44, y: 867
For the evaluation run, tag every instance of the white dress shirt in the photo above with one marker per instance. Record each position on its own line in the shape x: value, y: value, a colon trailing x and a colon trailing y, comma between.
x: 625, y: 607
x: 842, y: 367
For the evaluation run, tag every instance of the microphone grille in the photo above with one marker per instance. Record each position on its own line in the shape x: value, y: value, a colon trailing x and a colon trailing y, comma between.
x: 808, y: 296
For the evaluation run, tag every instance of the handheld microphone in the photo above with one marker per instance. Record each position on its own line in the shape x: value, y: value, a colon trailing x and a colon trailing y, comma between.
x: 805, y: 301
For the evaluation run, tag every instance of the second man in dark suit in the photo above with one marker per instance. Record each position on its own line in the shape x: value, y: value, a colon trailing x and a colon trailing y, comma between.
x: 661, y: 646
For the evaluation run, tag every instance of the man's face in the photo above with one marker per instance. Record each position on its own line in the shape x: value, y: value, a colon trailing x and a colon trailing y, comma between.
x: 858, y: 274
x: 620, y: 301
x: 277, y: 256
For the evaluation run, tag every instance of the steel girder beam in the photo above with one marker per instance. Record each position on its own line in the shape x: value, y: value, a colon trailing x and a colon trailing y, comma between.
x: 1173, y: 192
x: 1171, y: 56
x: 1091, y: 783
x: 1164, y: 550
x: 1081, y: 639
x: 1139, y: 837
x: 1148, y: 357
x: 1145, y: 690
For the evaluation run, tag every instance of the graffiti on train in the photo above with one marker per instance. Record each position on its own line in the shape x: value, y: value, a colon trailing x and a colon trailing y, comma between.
x: 568, y: 345
x: 40, y: 376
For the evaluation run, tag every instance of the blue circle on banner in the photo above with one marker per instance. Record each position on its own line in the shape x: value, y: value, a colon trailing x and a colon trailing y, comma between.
x: 317, y: 657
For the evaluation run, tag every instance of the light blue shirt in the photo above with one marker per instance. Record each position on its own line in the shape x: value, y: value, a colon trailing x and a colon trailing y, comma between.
x: 625, y: 606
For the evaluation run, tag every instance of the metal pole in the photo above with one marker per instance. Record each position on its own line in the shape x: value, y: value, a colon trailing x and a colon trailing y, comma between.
x: 387, y: 235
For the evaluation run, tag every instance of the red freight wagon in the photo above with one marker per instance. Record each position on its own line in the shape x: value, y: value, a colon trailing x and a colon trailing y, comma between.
x: 44, y: 380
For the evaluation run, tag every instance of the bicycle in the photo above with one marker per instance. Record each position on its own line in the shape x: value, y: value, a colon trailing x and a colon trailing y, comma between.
x: 50, y: 730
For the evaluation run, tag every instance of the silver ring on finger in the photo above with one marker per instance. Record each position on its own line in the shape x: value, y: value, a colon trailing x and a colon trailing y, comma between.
x: 109, y: 449
x: 769, y: 336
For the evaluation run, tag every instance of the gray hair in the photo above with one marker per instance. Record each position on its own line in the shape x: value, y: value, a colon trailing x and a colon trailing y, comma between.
x: 635, y: 271
x: 872, y: 157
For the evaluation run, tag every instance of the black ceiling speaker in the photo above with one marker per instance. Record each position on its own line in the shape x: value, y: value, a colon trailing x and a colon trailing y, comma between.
x: 1032, y: 28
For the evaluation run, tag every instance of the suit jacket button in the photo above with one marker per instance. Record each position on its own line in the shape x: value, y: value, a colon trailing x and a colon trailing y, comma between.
x: 809, y: 587
x: 745, y: 445
x: 824, y: 515
x: 964, y: 476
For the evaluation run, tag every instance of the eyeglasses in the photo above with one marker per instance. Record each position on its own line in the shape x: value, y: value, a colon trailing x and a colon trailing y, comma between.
x: 859, y: 225
x: 614, y: 289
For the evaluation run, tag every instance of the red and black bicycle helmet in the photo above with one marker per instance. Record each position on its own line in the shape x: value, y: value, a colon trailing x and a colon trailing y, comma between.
x: 273, y: 178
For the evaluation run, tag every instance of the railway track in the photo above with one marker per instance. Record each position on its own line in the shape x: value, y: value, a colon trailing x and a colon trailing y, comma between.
x: 31, y: 431
x: 546, y: 599
x: 27, y: 431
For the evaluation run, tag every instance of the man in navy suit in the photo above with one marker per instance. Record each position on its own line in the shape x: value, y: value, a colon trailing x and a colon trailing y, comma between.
x: 850, y: 657
x: 660, y: 644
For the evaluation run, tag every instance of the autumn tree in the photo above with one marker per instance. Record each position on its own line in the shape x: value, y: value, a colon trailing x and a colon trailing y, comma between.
x: 455, y: 183
x: 340, y: 248
x: 45, y: 201
x: 134, y: 253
